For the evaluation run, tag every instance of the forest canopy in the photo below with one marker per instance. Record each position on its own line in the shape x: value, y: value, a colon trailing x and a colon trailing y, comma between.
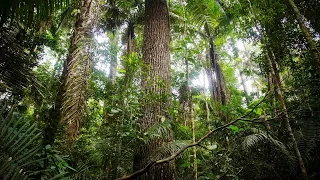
x: 159, y: 90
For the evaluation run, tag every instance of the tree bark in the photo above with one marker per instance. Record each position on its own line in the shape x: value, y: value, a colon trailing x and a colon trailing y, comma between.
x: 156, y: 84
x: 307, y: 34
x: 78, y: 66
x: 78, y: 34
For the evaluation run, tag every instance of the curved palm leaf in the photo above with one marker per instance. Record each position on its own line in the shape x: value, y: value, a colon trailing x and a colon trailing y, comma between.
x: 31, y: 11
x: 16, y: 62
x: 20, y: 147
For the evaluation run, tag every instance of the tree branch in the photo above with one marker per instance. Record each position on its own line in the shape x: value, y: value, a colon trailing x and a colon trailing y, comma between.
x: 176, y: 154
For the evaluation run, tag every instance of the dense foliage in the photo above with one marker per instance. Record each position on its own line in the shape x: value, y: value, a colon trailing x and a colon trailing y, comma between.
x: 156, y: 89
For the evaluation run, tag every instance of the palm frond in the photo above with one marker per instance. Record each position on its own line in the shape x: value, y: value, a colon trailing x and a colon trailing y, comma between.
x: 254, y: 140
x: 158, y: 131
x: 204, y: 12
x: 20, y: 148
x: 15, y: 62
x: 169, y: 149
x: 31, y: 11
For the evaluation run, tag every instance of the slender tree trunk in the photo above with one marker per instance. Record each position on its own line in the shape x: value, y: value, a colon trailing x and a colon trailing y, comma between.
x: 195, y: 168
x: 306, y: 33
x: 206, y: 102
x: 130, y: 50
x: 130, y: 37
x: 157, y: 87
x: 271, y: 89
x: 265, y: 121
x: 209, y: 73
x: 245, y: 91
x: 286, y: 116
x: 222, y: 84
x: 189, y: 100
x: 218, y: 83
x: 282, y: 101
x: 113, y: 55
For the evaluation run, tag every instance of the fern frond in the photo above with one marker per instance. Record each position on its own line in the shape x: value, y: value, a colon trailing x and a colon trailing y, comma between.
x: 158, y: 131
x: 255, y: 140
x: 308, y: 139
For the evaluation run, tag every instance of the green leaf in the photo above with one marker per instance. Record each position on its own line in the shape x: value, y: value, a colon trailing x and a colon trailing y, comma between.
x: 258, y: 111
x: 235, y: 129
x: 187, y: 164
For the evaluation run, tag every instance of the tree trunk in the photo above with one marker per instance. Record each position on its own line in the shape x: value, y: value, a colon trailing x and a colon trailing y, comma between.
x: 78, y: 63
x: 189, y: 98
x: 195, y: 168
x: 113, y: 56
x: 281, y: 98
x: 271, y: 89
x: 156, y: 84
x: 223, y: 87
x: 307, y: 34
x: 284, y: 109
x: 130, y: 49
x: 55, y: 112
x: 217, y: 78
x: 245, y: 91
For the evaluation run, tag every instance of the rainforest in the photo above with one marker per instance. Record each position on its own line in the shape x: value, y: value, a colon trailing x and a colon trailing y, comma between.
x: 159, y: 89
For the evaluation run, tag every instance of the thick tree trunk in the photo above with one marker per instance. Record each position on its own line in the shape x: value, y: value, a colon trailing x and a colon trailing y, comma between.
x: 157, y: 87
x: 78, y: 34
x: 307, y: 34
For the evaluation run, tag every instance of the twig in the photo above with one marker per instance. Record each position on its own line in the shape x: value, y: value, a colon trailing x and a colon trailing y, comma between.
x: 176, y: 154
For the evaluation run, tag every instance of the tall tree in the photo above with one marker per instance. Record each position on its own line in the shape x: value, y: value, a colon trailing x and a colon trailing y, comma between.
x: 71, y: 70
x: 76, y: 71
x: 307, y: 35
x: 156, y: 84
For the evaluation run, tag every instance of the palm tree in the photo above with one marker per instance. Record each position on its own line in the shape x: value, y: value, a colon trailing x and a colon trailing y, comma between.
x: 156, y: 86
x: 75, y: 72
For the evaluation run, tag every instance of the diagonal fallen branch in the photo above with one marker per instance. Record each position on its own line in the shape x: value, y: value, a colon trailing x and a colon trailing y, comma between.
x: 176, y: 154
